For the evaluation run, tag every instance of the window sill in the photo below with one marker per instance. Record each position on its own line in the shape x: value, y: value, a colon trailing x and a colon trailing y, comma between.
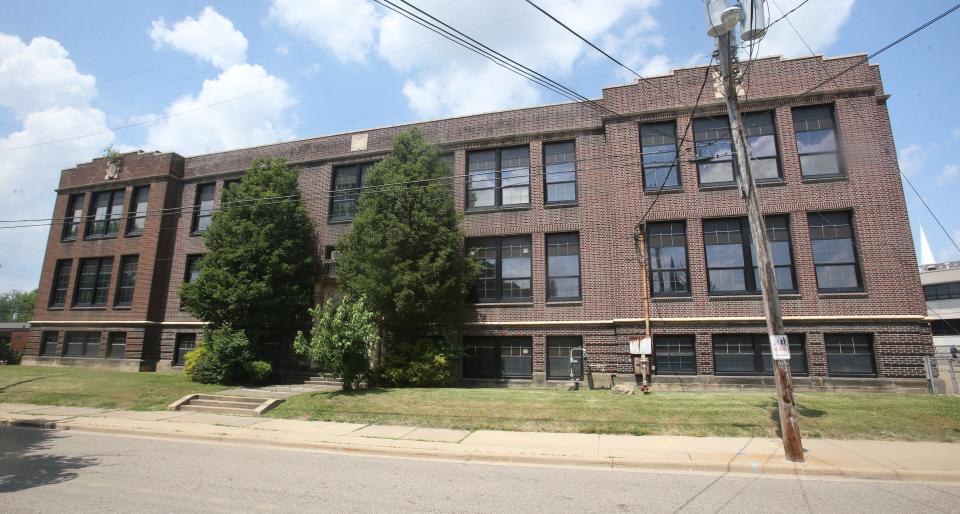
x: 58, y: 308
x: 825, y: 178
x: 719, y: 187
x: 772, y: 183
x: 122, y: 307
x: 850, y: 294
x: 140, y: 234
x: 485, y: 210
x: 752, y: 296
x: 192, y: 234
x: 339, y: 221
x: 70, y: 240
x: 501, y: 304
x: 563, y: 303
x: 685, y: 298
x: 88, y: 308
x: 656, y: 191
x: 558, y: 205
x: 98, y: 238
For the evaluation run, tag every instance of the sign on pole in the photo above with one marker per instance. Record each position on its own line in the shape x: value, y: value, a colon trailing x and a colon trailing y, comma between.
x: 780, y: 347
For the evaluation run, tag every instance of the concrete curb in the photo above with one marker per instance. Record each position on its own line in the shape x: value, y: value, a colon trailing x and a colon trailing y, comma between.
x: 763, y: 466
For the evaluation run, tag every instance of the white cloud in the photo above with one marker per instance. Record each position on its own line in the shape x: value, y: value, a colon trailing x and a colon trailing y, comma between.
x: 949, y: 173
x: 345, y: 28
x: 210, y: 37
x: 819, y: 22
x: 50, y: 100
x: 912, y: 159
x: 259, y: 119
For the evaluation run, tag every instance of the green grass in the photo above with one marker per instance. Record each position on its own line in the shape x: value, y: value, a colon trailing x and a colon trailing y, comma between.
x: 95, y: 388
x: 822, y: 415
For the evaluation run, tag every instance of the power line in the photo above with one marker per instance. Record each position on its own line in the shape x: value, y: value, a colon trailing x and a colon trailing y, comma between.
x: 935, y: 217
x: 774, y: 22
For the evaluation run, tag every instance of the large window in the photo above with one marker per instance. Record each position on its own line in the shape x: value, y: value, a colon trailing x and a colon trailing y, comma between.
x: 347, y: 184
x: 561, y: 352
x: 834, y: 252
x: 202, y: 208
x: 137, y: 217
x: 185, y: 343
x: 127, y: 280
x: 48, y: 344
x: 563, y: 266
x: 945, y: 291
x: 731, y: 255
x: 749, y: 354
x: 73, y: 218
x: 93, y: 281
x: 817, y: 141
x: 945, y: 327
x: 81, y: 344
x: 497, y: 357
x: 560, y: 169
x: 498, y: 177
x: 505, y: 269
x: 674, y: 355
x: 669, y: 274
x: 659, y: 146
x: 117, y: 342
x: 761, y: 137
x: 714, y: 149
x: 61, y: 281
x: 106, y: 211
x: 191, y: 271
x: 849, y: 354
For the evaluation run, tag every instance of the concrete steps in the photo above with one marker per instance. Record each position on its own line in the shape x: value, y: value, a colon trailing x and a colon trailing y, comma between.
x: 222, y: 404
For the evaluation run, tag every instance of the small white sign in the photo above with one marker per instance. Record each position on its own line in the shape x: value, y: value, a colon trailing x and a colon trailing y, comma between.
x: 640, y: 345
x: 780, y: 347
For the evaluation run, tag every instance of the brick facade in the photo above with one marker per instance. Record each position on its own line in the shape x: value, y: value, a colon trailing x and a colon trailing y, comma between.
x: 610, y: 200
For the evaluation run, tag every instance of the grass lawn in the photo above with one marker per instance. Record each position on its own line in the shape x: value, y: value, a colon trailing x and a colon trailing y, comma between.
x: 824, y: 415
x: 95, y: 388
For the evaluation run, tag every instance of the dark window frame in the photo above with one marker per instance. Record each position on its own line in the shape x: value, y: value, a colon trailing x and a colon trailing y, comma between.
x: 98, y: 288
x: 349, y: 196
x: 552, y: 343
x: 45, y: 349
x: 547, y: 172
x: 750, y: 270
x: 193, y: 258
x: 73, y: 218
x: 498, y: 278
x: 498, y: 345
x: 134, y: 213
x: 856, y: 263
x: 941, y: 291
x: 498, y: 186
x: 109, y: 226
x: 548, y: 276
x: 179, y: 356
x: 716, y: 158
x: 113, y: 346
x: 871, y: 343
x: 761, y: 347
x: 678, y: 339
x: 199, y: 212
x: 841, y: 169
x: 647, y: 186
x: 686, y: 270
x: 120, y: 297
x: 777, y: 157
x: 90, y: 339
x: 62, y: 272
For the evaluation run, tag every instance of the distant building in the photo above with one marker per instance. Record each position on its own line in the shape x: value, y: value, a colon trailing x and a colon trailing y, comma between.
x: 15, y: 334
x: 941, y: 288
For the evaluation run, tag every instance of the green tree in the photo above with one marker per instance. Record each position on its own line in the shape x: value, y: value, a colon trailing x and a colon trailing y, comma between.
x: 404, y: 251
x: 17, y: 305
x: 257, y: 276
x: 343, y: 337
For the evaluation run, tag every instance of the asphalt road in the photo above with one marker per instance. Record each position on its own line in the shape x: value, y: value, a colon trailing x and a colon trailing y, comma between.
x: 52, y: 471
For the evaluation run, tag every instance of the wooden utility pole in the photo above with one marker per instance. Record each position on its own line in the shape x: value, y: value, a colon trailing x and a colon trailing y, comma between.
x: 789, y: 420
x: 639, y: 241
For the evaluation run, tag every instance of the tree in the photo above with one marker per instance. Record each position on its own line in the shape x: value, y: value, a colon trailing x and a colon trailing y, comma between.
x: 344, y: 335
x: 258, y: 274
x: 403, y: 253
x: 17, y: 305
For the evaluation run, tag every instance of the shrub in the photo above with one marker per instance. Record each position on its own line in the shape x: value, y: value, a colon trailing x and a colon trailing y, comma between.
x: 224, y: 357
x: 258, y: 372
x: 7, y: 355
x: 428, y: 363
x: 192, y: 358
x: 343, y: 336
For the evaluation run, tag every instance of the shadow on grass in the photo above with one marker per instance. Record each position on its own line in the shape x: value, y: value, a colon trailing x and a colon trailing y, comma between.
x: 356, y: 392
x: 34, y: 379
x: 774, y: 408
x: 27, y: 460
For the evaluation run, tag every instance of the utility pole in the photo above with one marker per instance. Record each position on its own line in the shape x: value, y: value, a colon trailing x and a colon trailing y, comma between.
x: 789, y: 419
x: 641, y: 364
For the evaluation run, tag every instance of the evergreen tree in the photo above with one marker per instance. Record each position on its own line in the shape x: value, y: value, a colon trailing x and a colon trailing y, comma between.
x: 258, y: 273
x: 404, y: 252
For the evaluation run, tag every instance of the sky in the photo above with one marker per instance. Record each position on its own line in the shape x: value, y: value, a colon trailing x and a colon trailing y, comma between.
x: 201, y: 76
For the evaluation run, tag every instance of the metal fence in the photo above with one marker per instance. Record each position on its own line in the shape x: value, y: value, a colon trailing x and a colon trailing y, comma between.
x: 947, y: 380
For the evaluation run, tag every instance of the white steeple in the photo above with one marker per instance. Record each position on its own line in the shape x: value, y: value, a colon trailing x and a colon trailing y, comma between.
x: 926, y: 253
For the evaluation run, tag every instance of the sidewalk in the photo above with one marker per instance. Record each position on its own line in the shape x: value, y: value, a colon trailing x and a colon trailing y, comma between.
x: 853, y: 459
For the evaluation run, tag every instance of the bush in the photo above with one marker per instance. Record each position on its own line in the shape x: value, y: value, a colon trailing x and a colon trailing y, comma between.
x: 343, y: 336
x: 258, y: 372
x: 7, y: 355
x: 428, y: 363
x: 223, y: 357
x: 192, y: 358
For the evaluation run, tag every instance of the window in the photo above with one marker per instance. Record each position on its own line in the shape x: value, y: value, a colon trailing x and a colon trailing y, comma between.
x: 729, y: 249
x: 669, y: 274
x: 659, y: 146
x: 106, y: 211
x: 73, y: 218
x: 81, y: 344
x: 945, y: 327
x: 761, y: 137
x: 498, y: 177
x: 192, y: 269
x: 61, y: 280
x: 739, y: 354
x: 137, y: 217
x: 945, y: 291
x: 505, y: 269
x: 93, y: 282
x: 48, y: 344
x: 347, y: 183
x: 202, y: 208
x: 117, y: 345
x: 227, y: 184
x: 127, y: 280
x: 816, y: 141
x: 674, y: 355
x: 184, y: 344
x: 560, y: 172
x: 563, y: 266
x: 849, y: 354
x: 834, y: 252
x: 497, y: 357
x: 560, y: 351
x: 714, y: 151
x: 446, y: 160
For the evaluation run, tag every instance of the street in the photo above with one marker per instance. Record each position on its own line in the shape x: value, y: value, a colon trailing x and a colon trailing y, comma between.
x: 58, y: 471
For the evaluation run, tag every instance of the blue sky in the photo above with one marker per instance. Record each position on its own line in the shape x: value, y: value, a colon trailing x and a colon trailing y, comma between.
x: 82, y: 70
